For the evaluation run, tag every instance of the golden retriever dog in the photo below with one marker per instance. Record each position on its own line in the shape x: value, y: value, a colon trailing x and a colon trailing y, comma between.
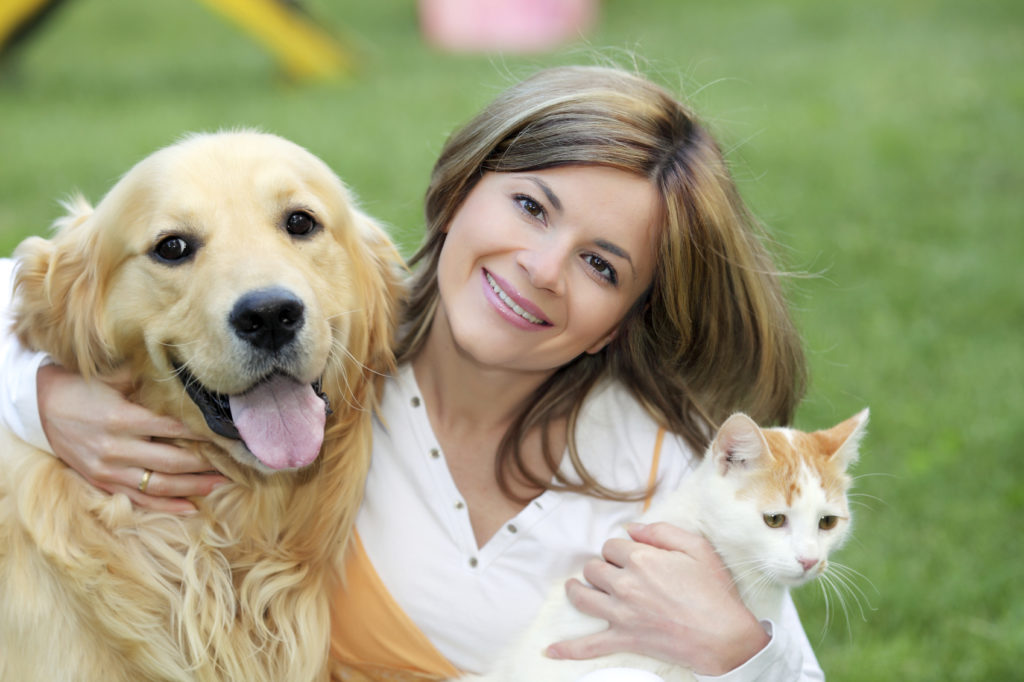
x: 247, y: 296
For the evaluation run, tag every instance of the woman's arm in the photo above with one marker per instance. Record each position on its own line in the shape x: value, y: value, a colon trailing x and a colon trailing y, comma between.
x: 18, y: 368
x: 666, y: 594
x: 92, y: 427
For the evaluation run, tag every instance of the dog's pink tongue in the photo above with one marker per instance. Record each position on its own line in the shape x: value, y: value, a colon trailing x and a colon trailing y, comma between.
x: 281, y: 421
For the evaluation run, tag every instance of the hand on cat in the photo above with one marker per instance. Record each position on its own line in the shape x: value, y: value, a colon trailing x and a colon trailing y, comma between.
x: 665, y: 593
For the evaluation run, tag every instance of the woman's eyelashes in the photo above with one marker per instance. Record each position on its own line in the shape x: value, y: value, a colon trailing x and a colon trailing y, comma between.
x: 602, y: 268
x: 531, y: 207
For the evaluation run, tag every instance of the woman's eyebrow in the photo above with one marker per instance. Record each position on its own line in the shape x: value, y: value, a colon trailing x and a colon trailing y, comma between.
x: 616, y: 250
x: 548, y: 192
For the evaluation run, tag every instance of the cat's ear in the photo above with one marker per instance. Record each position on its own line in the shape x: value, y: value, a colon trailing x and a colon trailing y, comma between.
x: 738, y: 444
x: 844, y: 438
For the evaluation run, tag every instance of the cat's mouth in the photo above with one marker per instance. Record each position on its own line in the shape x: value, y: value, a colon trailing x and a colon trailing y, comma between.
x: 803, y: 573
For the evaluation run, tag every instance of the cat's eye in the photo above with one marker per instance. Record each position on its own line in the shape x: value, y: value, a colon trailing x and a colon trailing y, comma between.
x: 828, y: 522
x: 775, y: 520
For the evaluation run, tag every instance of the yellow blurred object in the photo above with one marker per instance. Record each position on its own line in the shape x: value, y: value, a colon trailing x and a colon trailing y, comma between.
x: 303, y: 48
x: 15, y: 13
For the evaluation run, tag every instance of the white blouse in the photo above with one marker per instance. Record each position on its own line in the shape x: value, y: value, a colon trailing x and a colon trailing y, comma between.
x: 472, y: 601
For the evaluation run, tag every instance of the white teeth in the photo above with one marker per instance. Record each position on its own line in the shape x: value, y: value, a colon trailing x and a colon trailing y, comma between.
x: 510, y: 303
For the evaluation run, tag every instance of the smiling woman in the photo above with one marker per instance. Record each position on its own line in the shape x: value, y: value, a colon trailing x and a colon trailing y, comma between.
x: 708, y: 334
x: 561, y: 253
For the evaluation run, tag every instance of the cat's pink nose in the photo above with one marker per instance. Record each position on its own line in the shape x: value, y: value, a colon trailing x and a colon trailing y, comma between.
x: 808, y: 564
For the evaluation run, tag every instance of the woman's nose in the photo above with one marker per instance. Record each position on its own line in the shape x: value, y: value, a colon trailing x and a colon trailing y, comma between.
x: 545, y: 266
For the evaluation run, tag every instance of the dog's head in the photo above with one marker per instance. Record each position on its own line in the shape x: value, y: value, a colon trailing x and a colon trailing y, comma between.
x: 235, y: 278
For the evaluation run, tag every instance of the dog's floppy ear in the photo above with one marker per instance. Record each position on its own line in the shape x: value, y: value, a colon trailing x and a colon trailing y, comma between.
x: 384, y: 290
x: 59, y: 292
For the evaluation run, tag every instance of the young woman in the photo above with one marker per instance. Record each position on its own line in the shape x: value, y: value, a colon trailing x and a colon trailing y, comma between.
x: 590, y: 281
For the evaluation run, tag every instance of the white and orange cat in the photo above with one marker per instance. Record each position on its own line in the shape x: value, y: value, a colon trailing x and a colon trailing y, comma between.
x: 773, y: 502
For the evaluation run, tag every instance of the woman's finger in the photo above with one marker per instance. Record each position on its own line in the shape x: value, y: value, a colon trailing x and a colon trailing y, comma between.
x: 601, y: 575
x: 667, y: 536
x: 618, y: 551
x: 581, y: 648
x: 134, y: 419
x: 167, y: 458
x: 159, y: 484
x: 588, y: 599
x: 173, y: 505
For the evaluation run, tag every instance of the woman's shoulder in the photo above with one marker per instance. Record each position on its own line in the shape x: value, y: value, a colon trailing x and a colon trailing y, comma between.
x: 620, y: 442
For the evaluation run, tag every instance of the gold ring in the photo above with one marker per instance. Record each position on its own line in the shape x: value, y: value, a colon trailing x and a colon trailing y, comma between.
x: 144, y: 483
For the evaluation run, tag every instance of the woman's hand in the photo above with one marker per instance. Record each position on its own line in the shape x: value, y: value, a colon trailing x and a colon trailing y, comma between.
x: 666, y: 594
x: 108, y: 440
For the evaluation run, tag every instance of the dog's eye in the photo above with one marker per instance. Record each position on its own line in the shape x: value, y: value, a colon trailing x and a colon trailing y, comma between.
x: 300, y: 223
x: 172, y: 249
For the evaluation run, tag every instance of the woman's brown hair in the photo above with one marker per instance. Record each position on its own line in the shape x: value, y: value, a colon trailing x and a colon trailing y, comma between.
x: 711, y: 336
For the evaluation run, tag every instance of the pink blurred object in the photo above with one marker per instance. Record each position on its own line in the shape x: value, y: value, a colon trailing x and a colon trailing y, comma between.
x: 518, y: 26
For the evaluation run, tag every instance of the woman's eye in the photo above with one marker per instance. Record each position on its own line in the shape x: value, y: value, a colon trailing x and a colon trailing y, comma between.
x: 602, y: 267
x: 828, y: 522
x: 530, y: 205
x: 300, y: 223
x: 172, y: 249
x: 775, y: 520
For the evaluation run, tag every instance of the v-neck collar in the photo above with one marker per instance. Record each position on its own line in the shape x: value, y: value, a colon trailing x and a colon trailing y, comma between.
x: 453, y: 508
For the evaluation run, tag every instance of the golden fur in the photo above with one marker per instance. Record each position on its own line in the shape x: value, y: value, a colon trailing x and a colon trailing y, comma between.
x: 94, y: 589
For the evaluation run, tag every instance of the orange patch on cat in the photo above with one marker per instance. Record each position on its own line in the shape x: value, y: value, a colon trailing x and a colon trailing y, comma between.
x: 790, y: 451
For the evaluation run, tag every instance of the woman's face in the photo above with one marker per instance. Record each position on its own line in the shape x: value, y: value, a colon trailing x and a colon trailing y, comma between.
x: 541, y: 266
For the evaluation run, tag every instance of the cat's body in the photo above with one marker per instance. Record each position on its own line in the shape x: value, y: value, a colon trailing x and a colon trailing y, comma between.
x: 771, y: 501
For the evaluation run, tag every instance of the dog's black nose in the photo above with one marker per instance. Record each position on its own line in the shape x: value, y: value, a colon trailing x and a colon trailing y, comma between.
x: 267, y: 318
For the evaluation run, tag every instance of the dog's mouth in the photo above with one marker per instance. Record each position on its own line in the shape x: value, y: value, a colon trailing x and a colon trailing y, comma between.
x: 279, y: 420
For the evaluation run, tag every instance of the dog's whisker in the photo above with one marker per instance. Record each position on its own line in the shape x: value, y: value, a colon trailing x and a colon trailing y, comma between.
x: 343, y: 313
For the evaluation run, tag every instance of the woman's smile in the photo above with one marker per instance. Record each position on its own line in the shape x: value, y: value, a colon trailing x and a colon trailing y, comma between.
x: 511, y: 305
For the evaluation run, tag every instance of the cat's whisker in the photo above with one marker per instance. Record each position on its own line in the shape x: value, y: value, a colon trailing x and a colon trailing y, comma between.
x: 823, y: 584
x: 847, y: 577
x: 858, y: 499
x: 873, y: 474
x: 840, y: 582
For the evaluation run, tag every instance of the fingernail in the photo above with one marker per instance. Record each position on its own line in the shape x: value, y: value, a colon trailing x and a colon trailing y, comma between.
x: 552, y: 652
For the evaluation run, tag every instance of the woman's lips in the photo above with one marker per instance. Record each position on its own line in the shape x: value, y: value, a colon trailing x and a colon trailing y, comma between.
x: 513, y: 306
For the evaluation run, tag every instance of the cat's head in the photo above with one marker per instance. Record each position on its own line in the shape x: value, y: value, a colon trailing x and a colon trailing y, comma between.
x: 780, y: 497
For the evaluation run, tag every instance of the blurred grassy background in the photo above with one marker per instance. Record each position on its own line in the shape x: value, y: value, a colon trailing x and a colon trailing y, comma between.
x: 880, y: 139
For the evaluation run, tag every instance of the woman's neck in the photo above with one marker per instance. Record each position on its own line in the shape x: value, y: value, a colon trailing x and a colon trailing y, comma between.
x: 470, y: 408
x: 464, y: 395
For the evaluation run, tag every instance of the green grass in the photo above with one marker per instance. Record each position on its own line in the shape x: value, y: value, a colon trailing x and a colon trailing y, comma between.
x: 881, y: 141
